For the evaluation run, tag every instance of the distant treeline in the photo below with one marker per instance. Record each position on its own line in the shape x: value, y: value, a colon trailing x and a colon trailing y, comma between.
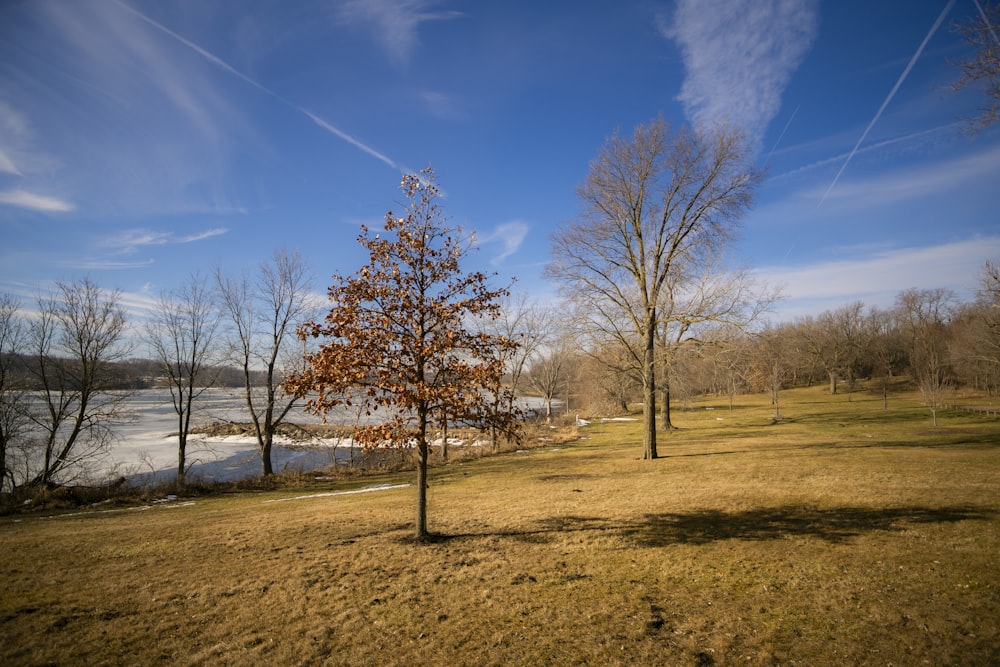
x: 135, y: 373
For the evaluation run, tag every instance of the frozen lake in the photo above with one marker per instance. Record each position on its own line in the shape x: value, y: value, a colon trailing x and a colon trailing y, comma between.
x: 145, y: 450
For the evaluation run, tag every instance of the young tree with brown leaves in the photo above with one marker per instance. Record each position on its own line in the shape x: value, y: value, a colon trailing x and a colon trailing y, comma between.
x: 396, y: 337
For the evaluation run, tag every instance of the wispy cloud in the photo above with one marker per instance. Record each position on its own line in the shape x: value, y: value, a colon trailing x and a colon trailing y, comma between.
x: 510, y: 235
x: 739, y: 55
x: 914, y: 183
x: 877, y: 276
x: 442, y: 105
x: 130, y: 240
x: 35, y: 202
x: 395, y: 23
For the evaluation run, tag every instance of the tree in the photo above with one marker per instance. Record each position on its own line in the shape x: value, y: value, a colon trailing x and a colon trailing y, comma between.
x: 982, y: 32
x: 13, y: 392
x: 549, y: 372
x: 527, y: 324
x: 396, y: 337
x: 924, y: 315
x: 74, y: 342
x: 264, y: 313
x: 885, y: 347
x: 770, y: 364
x: 182, y: 334
x: 834, y: 341
x: 698, y: 298
x: 654, y: 204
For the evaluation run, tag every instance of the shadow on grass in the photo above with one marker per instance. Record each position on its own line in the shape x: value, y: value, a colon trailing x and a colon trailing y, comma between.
x: 833, y: 525
x: 703, y: 527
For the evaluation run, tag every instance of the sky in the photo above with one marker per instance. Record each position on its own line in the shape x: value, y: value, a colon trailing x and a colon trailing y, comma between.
x: 146, y: 141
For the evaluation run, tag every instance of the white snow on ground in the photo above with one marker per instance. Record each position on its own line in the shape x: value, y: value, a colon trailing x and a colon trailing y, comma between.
x: 367, y: 489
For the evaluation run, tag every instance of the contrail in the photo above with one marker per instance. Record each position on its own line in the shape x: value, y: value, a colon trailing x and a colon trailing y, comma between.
x: 782, y: 135
x: 888, y: 99
x: 214, y: 59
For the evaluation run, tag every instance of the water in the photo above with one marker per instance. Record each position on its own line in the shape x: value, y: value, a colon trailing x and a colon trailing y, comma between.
x: 145, y: 450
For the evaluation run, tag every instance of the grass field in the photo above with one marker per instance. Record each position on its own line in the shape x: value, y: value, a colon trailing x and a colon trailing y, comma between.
x: 840, y: 535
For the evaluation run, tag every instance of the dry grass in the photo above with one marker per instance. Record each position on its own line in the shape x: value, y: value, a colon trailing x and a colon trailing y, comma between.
x: 840, y: 535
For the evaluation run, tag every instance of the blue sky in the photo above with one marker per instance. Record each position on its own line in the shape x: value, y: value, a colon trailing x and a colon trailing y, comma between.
x: 142, y: 140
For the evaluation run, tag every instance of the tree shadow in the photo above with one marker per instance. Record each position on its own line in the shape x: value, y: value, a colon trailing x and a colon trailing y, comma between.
x: 836, y: 525
x: 833, y: 525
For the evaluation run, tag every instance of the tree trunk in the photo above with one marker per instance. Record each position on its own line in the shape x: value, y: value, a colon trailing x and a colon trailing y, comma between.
x: 649, y: 388
x: 265, y: 454
x: 444, y: 440
x: 833, y: 382
x: 667, y: 423
x: 421, y: 524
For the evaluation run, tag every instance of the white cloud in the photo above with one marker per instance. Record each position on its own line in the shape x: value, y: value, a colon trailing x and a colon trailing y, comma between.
x: 201, y: 236
x: 510, y: 235
x: 876, y: 277
x: 739, y: 55
x: 34, y: 201
x: 7, y: 165
x: 131, y: 240
x: 906, y: 184
x: 442, y: 105
x: 395, y: 22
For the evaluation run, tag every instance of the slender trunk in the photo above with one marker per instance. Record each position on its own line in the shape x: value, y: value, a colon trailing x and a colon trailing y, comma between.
x: 833, y: 382
x: 548, y: 410
x: 444, y: 439
x: 667, y: 423
x: 649, y: 388
x: 265, y: 452
x: 421, y: 524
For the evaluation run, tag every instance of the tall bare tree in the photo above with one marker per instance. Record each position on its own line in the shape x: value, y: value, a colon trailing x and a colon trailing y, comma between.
x: 982, y: 32
x: 654, y: 204
x: 182, y: 334
x: 13, y: 391
x: 264, y: 312
x: 74, y: 341
x: 397, y: 336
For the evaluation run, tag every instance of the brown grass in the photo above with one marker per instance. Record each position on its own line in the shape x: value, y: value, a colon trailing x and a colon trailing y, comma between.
x: 841, y: 535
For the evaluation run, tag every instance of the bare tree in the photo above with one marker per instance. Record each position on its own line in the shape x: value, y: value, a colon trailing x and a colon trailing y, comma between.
x: 833, y: 339
x: 528, y: 325
x: 13, y: 392
x: 551, y: 370
x: 701, y: 297
x: 398, y: 332
x: 770, y: 364
x: 74, y: 342
x: 182, y: 334
x: 982, y: 32
x: 924, y: 315
x: 653, y: 204
x: 264, y: 312
x: 885, y: 347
